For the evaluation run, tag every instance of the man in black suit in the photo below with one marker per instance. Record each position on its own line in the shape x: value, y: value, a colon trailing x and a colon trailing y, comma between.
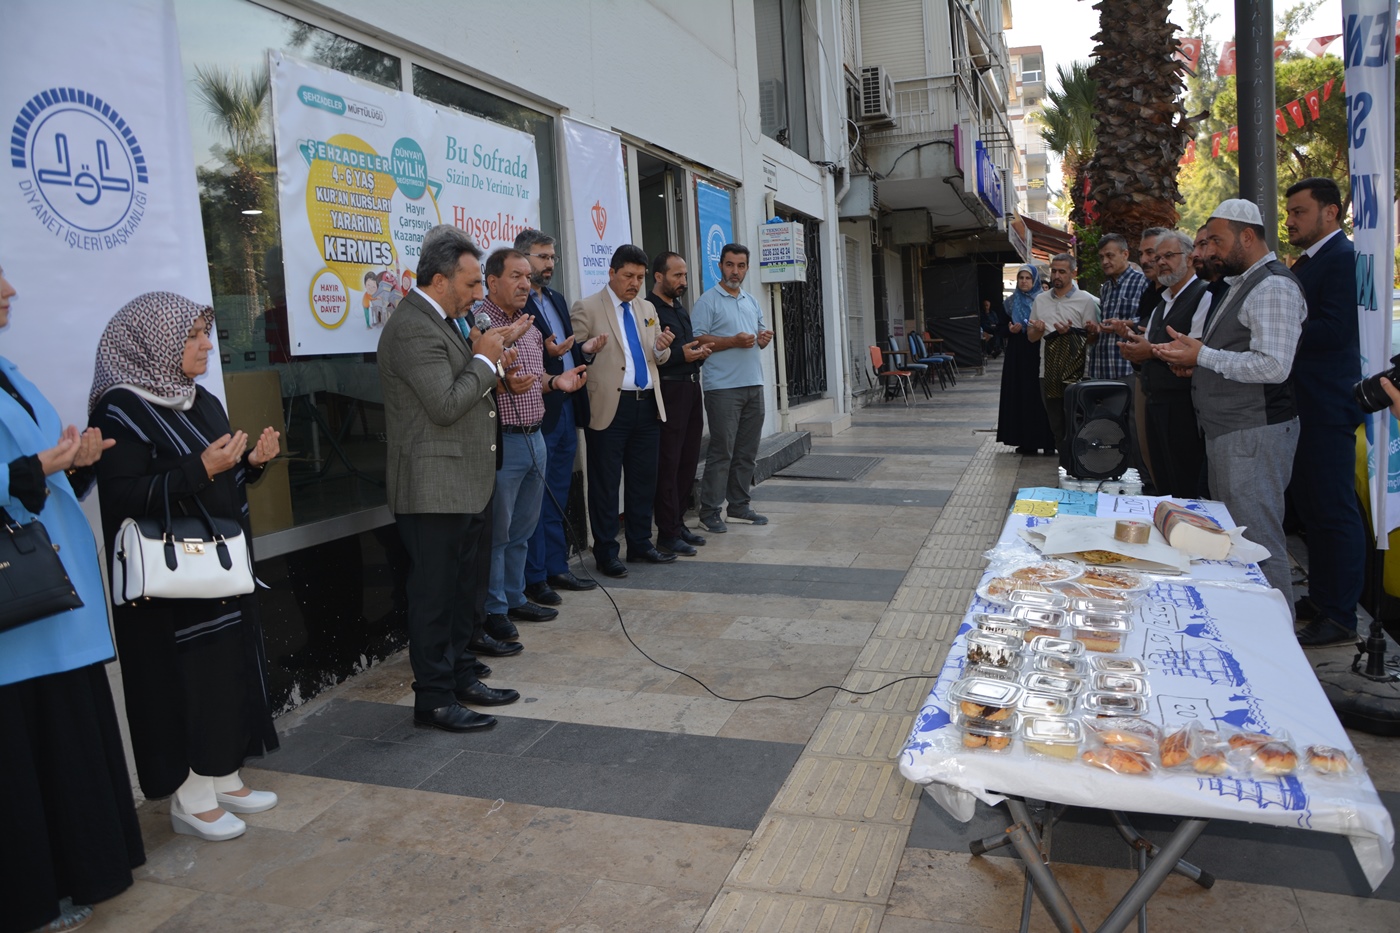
x: 1173, y: 437
x: 547, y: 556
x: 441, y: 430
x: 1326, y: 367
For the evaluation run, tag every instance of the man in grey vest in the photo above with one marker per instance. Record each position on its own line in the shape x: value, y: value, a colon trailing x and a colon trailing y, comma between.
x: 1239, y: 380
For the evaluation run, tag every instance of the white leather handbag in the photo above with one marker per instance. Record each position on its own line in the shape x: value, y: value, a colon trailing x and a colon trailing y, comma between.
x: 180, y: 557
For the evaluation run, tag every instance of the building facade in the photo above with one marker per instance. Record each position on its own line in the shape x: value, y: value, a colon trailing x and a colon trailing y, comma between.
x: 1026, y: 91
x: 929, y: 215
x: 736, y: 104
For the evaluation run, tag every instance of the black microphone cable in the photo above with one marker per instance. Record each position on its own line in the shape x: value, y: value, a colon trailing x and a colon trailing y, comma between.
x: 573, y: 539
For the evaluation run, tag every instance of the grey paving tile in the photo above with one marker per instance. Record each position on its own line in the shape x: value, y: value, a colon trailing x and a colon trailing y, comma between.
x: 666, y: 751
x: 300, y: 751
x: 358, y: 719
x: 817, y: 492
x: 795, y: 580
x: 570, y: 785
x: 1233, y: 851
x: 392, y: 764
x: 511, y: 736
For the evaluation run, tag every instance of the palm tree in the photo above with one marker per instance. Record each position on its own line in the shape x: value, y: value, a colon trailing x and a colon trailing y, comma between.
x: 1139, y: 117
x: 237, y: 108
x: 1067, y: 125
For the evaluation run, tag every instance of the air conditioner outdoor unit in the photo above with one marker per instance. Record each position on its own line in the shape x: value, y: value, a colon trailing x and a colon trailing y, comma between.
x: 876, y: 95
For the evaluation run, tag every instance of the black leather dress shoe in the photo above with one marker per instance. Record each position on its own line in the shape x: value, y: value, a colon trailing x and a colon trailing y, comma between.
x: 478, y: 670
x: 453, y: 718
x: 529, y: 612
x: 485, y: 644
x: 651, y: 556
x: 567, y: 581
x: 676, y: 546
x: 478, y: 694
x: 612, y: 567
x: 543, y: 594
x: 500, y: 627
x: 691, y: 538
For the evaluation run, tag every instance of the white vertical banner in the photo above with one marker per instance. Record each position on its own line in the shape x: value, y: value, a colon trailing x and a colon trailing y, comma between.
x: 1369, y: 36
x: 98, y: 201
x: 598, y: 194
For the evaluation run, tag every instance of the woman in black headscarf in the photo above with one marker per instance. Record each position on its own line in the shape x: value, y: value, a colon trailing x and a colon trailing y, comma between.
x: 1021, y: 419
x: 193, y: 670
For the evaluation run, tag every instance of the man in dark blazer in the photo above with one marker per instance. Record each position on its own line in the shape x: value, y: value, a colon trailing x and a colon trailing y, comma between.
x: 1326, y: 367
x: 625, y: 409
x: 1173, y: 437
x: 547, y: 557
x: 440, y: 425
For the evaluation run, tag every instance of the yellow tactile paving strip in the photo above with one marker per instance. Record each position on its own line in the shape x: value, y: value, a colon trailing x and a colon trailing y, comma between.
x: 826, y: 854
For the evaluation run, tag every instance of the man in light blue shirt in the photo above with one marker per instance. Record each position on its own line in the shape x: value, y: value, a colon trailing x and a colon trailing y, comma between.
x: 728, y: 320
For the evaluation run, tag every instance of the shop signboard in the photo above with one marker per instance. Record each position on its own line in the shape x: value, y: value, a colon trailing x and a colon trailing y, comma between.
x: 363, y: 173
x: 598, y: 193
x: 988, y: 180
x: 782, y: 254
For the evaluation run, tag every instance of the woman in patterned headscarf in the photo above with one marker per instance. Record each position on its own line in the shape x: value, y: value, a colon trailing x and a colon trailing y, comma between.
x: 193, y: 670
x: 1021, y: 419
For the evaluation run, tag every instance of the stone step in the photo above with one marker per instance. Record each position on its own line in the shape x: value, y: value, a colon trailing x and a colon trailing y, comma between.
x: 825, y: 425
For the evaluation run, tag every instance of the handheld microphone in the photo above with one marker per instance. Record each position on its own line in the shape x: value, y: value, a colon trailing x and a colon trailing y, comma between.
x: 481, y: 320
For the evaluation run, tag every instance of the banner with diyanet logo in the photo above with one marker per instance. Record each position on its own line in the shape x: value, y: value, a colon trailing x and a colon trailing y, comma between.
x: 98, y: 202
x: 716, y: 218
x: 598, y: 193
x: 363, y: 173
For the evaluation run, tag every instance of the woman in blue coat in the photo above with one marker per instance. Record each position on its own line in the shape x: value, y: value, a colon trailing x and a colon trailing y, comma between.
x: 70, y: 831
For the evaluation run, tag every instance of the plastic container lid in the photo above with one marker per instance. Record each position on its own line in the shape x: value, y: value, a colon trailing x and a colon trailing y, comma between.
x: 1114, y: 665
x: 1046, y: 571
x: 1046, y: 704
x: 1009, y: 674
x: 985, y: 691
x: 993, y: 649
x: 1063, y: 647
x: 1109, y: 682
x: 1098, y: 604
x: 1050, y: 618
x: 1100, y: 623
x: 999, y: 624
x: 1045, y: 730
x: 1035, y: 600
x: 1052, y: 683
x: 1097, y: 703
x: 1060, y: 665
x: 988, y: 727
x: 1113, y: 579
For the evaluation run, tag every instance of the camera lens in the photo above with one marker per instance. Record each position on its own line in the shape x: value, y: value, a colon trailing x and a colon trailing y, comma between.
x: 1370, y: 394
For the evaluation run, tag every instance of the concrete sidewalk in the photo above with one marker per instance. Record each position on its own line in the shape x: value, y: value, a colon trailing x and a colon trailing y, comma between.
x: 621, y: 796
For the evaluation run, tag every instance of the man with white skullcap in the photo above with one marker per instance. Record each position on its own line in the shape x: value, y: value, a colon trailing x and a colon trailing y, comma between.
x: 1239, y: 379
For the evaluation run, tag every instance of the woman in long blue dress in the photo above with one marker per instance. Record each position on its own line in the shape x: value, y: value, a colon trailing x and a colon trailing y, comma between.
x: 68, y: 829
x: 1021, y: 419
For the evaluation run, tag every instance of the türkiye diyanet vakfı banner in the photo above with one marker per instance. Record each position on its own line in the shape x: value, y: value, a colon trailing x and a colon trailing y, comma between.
x: 1369, y: 31
x: 363, y: 173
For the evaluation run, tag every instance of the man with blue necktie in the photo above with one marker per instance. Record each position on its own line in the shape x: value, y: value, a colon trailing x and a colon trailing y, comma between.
x: 547, y: 559
x: 625, y: 410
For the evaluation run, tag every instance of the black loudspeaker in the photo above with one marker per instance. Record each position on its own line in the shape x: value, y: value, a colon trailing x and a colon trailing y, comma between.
x: 1096, y: 430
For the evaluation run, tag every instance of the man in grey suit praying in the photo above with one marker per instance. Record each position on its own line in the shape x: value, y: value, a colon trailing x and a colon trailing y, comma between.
x: 440, y: 422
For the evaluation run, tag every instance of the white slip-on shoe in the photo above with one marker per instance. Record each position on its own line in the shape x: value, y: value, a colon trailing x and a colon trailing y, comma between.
x: 227, y: 826
x: 255, y: 801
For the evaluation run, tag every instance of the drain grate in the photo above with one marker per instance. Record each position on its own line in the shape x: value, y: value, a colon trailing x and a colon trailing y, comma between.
x: 827, y: 466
